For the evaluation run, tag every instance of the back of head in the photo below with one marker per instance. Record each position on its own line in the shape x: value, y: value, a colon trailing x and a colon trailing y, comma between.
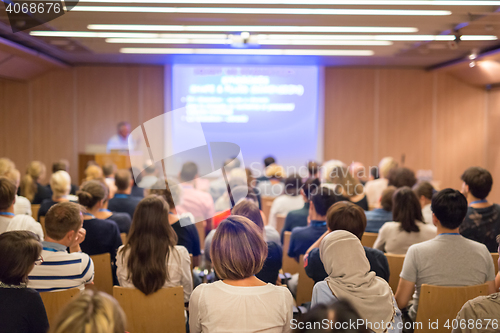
x: 231, y: 163
x: 91, y: 193
x: 250, y: 210
x: 92, y: 311
x: 293, y: 184
x: 399, y: 177
x: 188, y: 172
x: 345, y: 215
x: 122, y: 179
x: 386, y: 198
x: 5, y: 166
x: 313, y: 168
x: 268, y: 161
x: 311, y: 186
x: 169, y: 190
x: 479, y: 181
x: 238, y: 249
x: 349, y: 186
x: 323, y: 200
x: 149, y: 244
x: 450, y: 207
x: 60, y: 183
x: 61, y: 165
x: 7, y: 193
x: 108, y: 169
x: 93, y: 172
x: 18, y: 252
x: 63, y: 218
x: 34, y: 172
x: 424, y: 189
x: 14, y: 175
x: 406, y: 209
x: 275, y: 171
x: 385, y: 165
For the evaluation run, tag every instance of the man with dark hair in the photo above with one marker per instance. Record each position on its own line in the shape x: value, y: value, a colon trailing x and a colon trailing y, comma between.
x: 123, y: 201
x: 447, y: 260
x: 482, y: 221
x: 303, y: 237
x: 376, y: 218
x: 399, y: 177
x: 61, y: 270
x: 313, y: 169
x: 424, y: 191
x: 62, y: 165
x: 346, y: 216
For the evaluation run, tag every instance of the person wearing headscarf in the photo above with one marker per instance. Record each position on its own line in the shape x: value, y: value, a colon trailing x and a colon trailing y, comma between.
x: 349, y: 278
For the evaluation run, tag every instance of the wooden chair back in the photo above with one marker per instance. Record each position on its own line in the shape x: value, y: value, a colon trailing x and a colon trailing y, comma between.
x: 280, y: 222
x: 443, y: 303
x: 395, y: 266
x: 200, y: 226
x: 42, y: 222
x: 305, y: 285
x: 495, y: 261
x: 123, y: 237
x: 369, y: 239
x: 55, y: 301
x: 267, y: 202
x: 290, y: 265
x: 34, y: 211
x: 103, y: 276
x: 159, y: 312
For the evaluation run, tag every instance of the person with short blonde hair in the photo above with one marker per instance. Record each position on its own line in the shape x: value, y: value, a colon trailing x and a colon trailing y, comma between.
x: 240, y: 301
x: 374, y: 188
x: 60, y: 183
x: 22, y: 206
x: 30, y: 183
x: 94, y: 312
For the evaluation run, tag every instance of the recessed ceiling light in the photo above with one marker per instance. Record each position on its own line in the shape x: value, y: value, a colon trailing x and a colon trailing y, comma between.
x: 248, y: 51
x: 252, y: 41
x: 312, y: 2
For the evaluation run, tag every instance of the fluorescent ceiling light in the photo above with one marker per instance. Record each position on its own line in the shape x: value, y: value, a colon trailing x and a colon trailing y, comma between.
x: 248, y: 51
x: 260, y: 11
x: 262, y: 42
x: 312, y: 2
x: 249, y: 28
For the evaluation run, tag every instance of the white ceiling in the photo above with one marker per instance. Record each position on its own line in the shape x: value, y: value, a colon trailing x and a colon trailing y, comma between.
x: 477, y: 20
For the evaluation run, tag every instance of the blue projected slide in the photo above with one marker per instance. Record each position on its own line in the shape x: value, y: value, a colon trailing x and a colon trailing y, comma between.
x: 266, y: 110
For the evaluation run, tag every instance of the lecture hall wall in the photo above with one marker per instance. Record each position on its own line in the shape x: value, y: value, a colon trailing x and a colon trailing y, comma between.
x: 438, y: 122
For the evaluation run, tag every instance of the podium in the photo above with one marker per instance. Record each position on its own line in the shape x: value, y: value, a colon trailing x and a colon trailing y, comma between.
x: 122, y: 161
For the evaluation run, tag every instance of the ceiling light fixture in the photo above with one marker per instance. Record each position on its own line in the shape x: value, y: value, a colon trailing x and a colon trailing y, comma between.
x: 312, y: 2
x: 248, y: 51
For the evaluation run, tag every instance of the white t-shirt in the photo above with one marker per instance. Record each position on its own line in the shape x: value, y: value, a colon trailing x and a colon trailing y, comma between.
x: 21, y: 222
x: 427, y: 213
x: 282, y: 205
x: 392, y: 239
x: 219, y: 307
x: 22, y: 206
x: 178, y: 267
x: 374, y: 189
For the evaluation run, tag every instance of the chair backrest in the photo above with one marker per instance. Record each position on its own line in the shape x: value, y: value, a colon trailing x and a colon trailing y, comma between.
x: 55, y: 301
x: 395, y: 266
x: 369, y: 239
x: 267, y: 202
x: 103, y: 277
x: 34, y: 211
x: 42, y: 222
x: 280, y: 222
x: 305, y: 285
x: 495, y: 261
x: 123, y: 236
x: 290, y: 265
x: 162, y: 311
x: 440, y: 304
x: 200, y: 227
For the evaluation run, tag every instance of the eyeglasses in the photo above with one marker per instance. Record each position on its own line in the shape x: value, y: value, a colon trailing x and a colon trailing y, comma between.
x: 39, y: 261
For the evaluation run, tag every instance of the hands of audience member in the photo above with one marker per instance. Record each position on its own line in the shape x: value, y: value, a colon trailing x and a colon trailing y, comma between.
x: 79, y: 239
x: 316, y: 243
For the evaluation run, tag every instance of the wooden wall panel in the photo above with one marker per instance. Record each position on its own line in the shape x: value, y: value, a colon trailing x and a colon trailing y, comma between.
x: 493, y: 161
x: 350, y: 115
x: 405, y: 117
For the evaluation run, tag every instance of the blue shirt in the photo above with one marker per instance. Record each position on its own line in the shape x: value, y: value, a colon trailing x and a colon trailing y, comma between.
x: 303, y: 237
x: 376, y: 218
x: 124, y: 203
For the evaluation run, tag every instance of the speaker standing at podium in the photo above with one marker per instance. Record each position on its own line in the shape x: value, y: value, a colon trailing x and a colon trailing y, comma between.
x: 119, y: 141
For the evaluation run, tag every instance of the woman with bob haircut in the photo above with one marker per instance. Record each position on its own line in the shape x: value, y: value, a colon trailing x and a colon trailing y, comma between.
x: 150, y: 259
x: 407, y: 229
x: 94, y: 312
x: 239, y: 302
x: 21, y: 308
x: 60, y: 183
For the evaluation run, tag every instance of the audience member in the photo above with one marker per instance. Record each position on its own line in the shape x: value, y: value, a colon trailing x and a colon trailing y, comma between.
x: 349, y: 278
x: 289, y: 200
x: 267, y: 162
x: 303, y: 237
x: 6, y: 165
x: 482, y: 221
x: 62, y: 165
x: 327, y: 168
x: 298, y: 218
x: 358, y: 171
x: 236, y: 177
x: 108, y: 171
x: 9, y: 221
x: 347, y: 186
x: 62, y: 270
x: 272, y: 185
x: 374, y: 188
x: 22, y: 206
x: 399, y: 177
x: 92, y: 311
x: 123, y: 201
x: 447, y: 260
x: 30, y: 183
x: 482, y: 309
x: 424, y: 191
x: 408, y: 228
x: 349, y: 217
x: 150, y: 259
x: 136, y: 178
x: 376, y: 218
x: 187, y: 234
x: 218, y: 187
x: 60, y: 184
x: 93, y: 172
x: 150, y: 175
x: 239, y: 301
x: 21, y: 308
x: 313, y: 169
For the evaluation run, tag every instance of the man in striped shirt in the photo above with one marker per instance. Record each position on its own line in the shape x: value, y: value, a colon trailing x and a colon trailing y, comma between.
x: 62, y: 270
